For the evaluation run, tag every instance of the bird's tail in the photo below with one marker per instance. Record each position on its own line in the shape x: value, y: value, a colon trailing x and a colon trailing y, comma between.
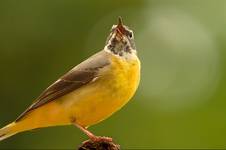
x: 8, y: 131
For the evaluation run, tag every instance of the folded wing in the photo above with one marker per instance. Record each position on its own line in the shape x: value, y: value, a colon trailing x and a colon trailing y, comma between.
x: 77, y: 77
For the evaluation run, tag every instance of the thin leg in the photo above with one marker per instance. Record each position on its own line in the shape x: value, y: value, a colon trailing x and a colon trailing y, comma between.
x: 87, y: 132
x: 92, y: 136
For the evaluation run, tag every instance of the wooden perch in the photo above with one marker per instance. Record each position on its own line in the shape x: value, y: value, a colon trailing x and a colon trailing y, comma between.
x: 99, y: 145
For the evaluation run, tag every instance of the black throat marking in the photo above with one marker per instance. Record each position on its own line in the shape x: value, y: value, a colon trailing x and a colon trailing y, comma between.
x: 119, y: 47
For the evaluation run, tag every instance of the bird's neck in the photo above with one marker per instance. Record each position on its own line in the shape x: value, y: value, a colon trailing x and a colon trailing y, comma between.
x: 132, y: 54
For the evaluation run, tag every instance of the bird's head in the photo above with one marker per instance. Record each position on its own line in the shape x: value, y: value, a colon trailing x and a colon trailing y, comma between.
x: 121, y: 40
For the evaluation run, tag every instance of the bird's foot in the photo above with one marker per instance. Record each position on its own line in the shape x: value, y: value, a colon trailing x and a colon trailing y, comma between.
x: 101, y: 139
x: 93, y: 137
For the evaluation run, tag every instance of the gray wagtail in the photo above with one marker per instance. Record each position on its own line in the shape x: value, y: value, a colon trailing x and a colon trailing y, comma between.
x: 90, y: 92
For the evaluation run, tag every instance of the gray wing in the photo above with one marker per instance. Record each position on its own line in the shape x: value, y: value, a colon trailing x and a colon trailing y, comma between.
x: 79, y: 76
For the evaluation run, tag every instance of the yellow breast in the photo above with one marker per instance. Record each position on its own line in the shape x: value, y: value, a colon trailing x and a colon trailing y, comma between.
x: 125, y: 78
x: 113, y: 90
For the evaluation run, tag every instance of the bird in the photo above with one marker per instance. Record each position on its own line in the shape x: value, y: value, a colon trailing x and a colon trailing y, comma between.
x: 90, y: 92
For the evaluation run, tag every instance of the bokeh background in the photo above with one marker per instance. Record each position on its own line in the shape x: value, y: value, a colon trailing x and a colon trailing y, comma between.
x: 181, y: 101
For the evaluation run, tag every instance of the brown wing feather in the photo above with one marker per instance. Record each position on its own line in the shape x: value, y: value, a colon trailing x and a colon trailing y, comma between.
x: 80, y: 75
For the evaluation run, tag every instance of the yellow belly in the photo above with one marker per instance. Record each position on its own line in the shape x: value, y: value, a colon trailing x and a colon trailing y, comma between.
x: 91, y: 103
x: 95, y: 102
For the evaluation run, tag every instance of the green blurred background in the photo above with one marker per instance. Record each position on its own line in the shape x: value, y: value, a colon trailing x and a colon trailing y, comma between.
x: 181, y: 99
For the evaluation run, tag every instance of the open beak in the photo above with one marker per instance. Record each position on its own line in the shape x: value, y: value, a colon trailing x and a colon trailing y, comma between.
x: 120, y: 30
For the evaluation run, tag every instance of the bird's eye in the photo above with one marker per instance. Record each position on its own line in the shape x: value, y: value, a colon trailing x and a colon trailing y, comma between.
x: 130, y: 35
